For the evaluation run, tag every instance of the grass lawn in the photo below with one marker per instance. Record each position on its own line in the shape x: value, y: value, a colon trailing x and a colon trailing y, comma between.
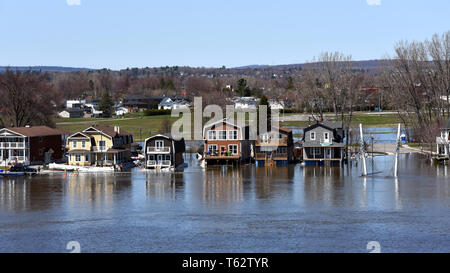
x: 141, y: 127
x: 144, y: 126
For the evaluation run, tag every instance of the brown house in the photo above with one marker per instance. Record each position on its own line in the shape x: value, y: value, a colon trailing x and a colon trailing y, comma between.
x: 226, y: 142
x: 275, y: 148
x: 31, y: 145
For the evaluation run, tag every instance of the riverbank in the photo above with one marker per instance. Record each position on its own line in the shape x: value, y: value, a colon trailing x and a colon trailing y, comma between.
x: 143, y: 127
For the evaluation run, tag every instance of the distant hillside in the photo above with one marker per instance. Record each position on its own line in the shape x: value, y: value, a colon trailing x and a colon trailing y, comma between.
x: 366, y: 65
x: 44, y: 68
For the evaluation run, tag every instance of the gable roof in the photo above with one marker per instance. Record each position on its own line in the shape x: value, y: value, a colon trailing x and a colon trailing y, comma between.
x: 107, y: 130
x: 34, y: 131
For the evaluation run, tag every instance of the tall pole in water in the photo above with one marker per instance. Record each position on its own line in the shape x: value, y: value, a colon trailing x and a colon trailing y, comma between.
x: 363, y: 151
x: 397, y: 148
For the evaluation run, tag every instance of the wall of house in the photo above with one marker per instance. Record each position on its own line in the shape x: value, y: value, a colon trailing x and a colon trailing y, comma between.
x: 38, y: 147
x: 319, y: 132
x: 99, y: 137
x: 79, y: 144
x: 72, y: 160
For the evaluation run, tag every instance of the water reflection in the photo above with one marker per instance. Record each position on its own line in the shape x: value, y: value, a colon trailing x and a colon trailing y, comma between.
x: 223, y: 185
x: 245, y: 208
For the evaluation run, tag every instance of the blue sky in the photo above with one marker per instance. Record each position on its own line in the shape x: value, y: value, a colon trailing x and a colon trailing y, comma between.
x: 139, y: 33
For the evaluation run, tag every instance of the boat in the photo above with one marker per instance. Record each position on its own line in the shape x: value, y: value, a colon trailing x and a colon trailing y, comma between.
x: 12, y: 174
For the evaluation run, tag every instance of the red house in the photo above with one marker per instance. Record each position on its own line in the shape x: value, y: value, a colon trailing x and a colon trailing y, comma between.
x: 31, y: 145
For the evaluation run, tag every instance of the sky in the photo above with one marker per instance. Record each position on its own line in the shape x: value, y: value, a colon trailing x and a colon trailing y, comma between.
x: 117, y: 34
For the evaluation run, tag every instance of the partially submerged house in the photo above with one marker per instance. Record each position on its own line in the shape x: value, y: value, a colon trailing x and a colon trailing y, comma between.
x: 226, y: 142
x: 323, y: 142
x: 31, y: 145
x: 443, y: 141
x: 274, y: 148
x: 163, y: 151
x: 99, y: 145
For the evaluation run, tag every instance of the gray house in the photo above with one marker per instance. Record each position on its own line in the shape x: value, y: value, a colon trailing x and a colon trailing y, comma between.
x: 323, y: 142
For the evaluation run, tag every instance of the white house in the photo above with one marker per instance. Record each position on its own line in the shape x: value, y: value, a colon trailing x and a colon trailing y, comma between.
x: 442, y: 141
x: 245, y: 102
x: 170, y: 104
x: 75, y: 103
x: 276, y: 104
x: 120, y: 111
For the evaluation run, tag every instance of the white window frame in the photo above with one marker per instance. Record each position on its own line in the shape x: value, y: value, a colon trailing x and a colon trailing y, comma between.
x: 83, y: 143
x: 161, y: 142
x: 211, y: 133
x: 230, y: 150
x: 86, y: 157
x: 74, y: 143
x: 213, y: 145
x: 77, y: 157
x: 232, y: 134
x: 100, y: 142
x: 312, y: 135
x: 220, y: 134
x: 326, y: 137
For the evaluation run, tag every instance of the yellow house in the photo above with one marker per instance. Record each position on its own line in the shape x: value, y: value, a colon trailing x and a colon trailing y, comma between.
x: 99, y: 145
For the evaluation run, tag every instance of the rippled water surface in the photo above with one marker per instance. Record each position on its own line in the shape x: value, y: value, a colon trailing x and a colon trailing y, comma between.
x: 232, y: 209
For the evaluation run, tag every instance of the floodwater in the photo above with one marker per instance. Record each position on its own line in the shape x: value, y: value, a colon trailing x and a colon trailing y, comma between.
x: 232, y: 209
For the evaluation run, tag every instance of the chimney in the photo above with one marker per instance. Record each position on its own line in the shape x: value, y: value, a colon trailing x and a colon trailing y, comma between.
x: 117, y: 129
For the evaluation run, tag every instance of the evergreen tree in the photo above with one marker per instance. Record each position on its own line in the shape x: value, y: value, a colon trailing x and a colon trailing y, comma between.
x: 106, y: 105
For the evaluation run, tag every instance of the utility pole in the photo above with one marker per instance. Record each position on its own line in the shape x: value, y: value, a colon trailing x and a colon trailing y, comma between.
x: 363, y: 151
x: 397, y: 148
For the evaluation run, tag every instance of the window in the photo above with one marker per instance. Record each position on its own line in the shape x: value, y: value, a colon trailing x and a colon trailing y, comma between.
x: 233, y: 135
x: 222, y: 135
x: 212, y: 149
x: 41, y: 139
x: 102, y: 144
x: 86, y: 157
x: 159, y: 144
x: 313, y: 136
x: 151, y: 157
x: 74, y: 143
x: 167, y: 157
x: 212, y: 135
x: 233, y: 148
x: 317, y: 151
x: 326, y: 136
x: 77, y: 157
x: 83, y: 143
x: 41, y: 151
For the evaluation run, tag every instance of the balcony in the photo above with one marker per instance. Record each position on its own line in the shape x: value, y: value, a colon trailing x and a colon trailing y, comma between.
x: 271, y: 142
x: 158, y: 150
x: 99, y: 149
x: 261, y: 156
x: 162, y: 163
x: 13, y: 145
x: 279, y: 156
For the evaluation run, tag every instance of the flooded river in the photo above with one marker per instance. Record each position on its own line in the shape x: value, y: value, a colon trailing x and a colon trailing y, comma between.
x: 232, y: 209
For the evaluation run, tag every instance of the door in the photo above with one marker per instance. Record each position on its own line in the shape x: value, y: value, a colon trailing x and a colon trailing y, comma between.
x: 328, y: 153
x: 159, y: 144
x: 159, y: 159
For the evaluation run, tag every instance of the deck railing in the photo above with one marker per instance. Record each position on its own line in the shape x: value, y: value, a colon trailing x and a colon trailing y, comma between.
x: 158, y: 149
x: 154, y: 163
x: 12, y: 145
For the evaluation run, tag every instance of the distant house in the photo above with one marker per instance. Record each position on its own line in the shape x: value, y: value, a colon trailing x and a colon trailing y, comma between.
x: 276, y: 104
x: 71, y: 113
x: 163, y: 151
x: 120, y: 111
x: 275, y: 148
x: 75, y: 103
x: 245, y: 103
x: 31, y: 145
x: 99, y: 145
x: 443, y: 140
x: 139, y: 102
x: 323, y: 142
x: 226, y: 142
x: 168, y: 103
